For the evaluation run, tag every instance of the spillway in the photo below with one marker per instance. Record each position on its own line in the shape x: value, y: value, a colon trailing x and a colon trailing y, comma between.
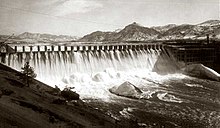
x: 51, y: 67
x: 93, y: 72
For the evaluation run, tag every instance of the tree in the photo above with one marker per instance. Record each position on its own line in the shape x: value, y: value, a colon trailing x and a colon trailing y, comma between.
x: 28, y: 72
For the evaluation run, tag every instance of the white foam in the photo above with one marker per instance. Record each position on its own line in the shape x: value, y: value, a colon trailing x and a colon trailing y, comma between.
x: 98, y: 84
x: 193, y: 85
x: 168, y: 97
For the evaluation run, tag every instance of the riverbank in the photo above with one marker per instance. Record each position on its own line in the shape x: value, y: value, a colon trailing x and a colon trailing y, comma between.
x: 34, y: 106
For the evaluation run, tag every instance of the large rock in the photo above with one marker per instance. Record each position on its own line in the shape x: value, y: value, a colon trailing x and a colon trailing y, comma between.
x: 69, y: 95
x: 126, y: 89
x: 199, y: 70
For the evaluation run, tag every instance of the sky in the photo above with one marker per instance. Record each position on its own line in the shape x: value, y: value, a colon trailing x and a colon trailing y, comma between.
x: 81, y: 17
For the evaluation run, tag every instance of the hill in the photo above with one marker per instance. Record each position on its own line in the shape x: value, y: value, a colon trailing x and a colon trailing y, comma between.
x: 210, y: 23
x: 132, y: 32
x: 46, y: 37
x: 163, y: 29
x: 35, y: 106
x: 211, y: 27
x: 179, y: 32
x: 135, y: 32
x: 97, y: 36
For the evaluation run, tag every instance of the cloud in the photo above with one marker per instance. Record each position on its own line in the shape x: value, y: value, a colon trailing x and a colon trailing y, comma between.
x: 66, y: 7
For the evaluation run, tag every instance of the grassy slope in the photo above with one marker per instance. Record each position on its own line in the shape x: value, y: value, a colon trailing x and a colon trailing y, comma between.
x: 32, y: 106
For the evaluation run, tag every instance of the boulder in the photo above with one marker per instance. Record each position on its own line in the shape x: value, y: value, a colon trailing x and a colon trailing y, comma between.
x: 126, y: 89
x: 201, y: 71
x: 69, y: 95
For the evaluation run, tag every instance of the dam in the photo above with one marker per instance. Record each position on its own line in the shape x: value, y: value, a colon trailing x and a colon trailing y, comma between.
x: 56, y: 61
x: 53, y: 62
x: 93, y: 69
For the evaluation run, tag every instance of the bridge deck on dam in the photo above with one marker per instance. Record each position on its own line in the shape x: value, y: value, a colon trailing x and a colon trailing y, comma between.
x: 95, y: 46
x: 81, y: 47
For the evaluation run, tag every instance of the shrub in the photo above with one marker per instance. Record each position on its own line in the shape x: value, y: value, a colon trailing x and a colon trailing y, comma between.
x: 69, y: 95
x: 28, y: 72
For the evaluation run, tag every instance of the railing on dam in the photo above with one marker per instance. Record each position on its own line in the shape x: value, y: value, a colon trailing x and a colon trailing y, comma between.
x: 83, y: 47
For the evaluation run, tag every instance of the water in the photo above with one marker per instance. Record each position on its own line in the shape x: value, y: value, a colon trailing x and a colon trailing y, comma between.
x: 168, y: 100
x: 51, y: 67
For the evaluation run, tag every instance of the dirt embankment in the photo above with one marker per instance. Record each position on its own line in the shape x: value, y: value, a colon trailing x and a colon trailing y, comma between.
x: 34, y: 106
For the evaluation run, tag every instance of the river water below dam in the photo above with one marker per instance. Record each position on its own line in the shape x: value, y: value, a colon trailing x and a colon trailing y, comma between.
x: 169, y: 98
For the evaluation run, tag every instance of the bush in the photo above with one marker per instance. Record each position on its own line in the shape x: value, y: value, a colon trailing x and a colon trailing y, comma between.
x: 56, y: 90
x: 28, y: 72
x: 69, y: 95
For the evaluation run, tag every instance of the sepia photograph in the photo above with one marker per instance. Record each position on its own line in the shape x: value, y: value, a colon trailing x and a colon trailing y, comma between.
x: 109, y: 63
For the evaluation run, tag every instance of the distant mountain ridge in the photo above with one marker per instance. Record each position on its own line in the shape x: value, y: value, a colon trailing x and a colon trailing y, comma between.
x: 97, y: 36
x: 129, y: 33
x: 46, y: 37
x: 163, y: 29
x: 210, y: 23
x: 135, y: 32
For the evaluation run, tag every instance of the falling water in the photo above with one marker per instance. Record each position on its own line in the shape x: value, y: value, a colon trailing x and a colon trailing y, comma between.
x: 51, y: 67
x: 175, y: 98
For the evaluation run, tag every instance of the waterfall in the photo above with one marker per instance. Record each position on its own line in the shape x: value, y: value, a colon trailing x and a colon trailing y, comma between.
x: 53, y: 66
x: 92, y: 73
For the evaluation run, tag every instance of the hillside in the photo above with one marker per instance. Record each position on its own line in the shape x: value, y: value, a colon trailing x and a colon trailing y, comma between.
x: 46, y: 37
x: 35, y: 106
x: 135, y: 32
x: 163, y: 29
x: 210, y: 23
x: 97, y: 36
x: 179, y: 32
x: 132, y: 32
x: 211, y: 27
